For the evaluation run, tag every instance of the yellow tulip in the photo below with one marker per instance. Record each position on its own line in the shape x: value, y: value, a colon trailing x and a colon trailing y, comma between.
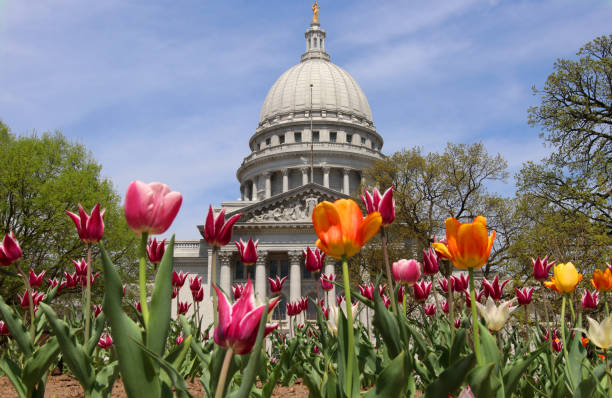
x: 565, y: 278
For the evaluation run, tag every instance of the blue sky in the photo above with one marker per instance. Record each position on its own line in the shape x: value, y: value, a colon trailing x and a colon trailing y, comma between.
x: 171, y: 91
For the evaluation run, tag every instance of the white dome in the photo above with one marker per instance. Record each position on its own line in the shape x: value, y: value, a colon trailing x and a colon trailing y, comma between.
x: 333, y: 90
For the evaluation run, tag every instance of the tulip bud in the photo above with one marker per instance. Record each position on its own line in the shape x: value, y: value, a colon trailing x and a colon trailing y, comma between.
x: 247, y: 251
x: 155, y: 251
x: 36, y: 280
x: 217, y: 231
x: 195, y: 283
x: 590, y: 300
x: 151, y: 208
x: 430, y: 309
x: 406, y: 272
x: 422, y: 290
x: 524, y: 295
x: 10, y: 251
x: 198, y: 296
x: 327, y: 281
x: 106, y: 341
x: 179, y: 339
x: 457, y: 323
x: 314, y: 260
x: 89, y: 228
x: 384, y: 204
x: 4, y: 330
x: 541, y: 268
x: 276, y: 285
x: 430, y: 262
x: 97, y: 309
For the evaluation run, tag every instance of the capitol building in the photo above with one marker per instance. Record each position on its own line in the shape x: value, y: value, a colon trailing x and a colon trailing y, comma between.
x: 314, y: 137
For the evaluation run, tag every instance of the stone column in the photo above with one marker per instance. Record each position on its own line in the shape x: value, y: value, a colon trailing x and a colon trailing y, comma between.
x: 326, y: 177
x: 285, y: 179
x: 225, y: 271
x: 330, y: 268
x: 268, y: 185
x: 295, y: 275
x: 260, y: 275
x: 345, y: 185
x: 254, y: 191
x: 305, y: 171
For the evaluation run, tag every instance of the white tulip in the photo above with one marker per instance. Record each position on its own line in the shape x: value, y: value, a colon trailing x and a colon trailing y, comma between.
x: 495, y: 316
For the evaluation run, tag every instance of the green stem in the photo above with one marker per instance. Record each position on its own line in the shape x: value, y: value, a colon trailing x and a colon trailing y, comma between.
x: 143, y: 278
x: 31, y: 302
x: 565, y: 355
x: 348, y: 381
x: 223, y: 374
x: 609, y: 375
x: 474, y: 317
x: 404, y: 302
x: 605, y: 296
x: 88, y: 295
x: 571, y: 305
x: 433, y: 285
x: 213, y: 278
x: 383, y: 239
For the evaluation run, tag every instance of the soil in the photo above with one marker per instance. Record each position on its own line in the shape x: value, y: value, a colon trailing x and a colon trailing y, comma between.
x: 64, y: 386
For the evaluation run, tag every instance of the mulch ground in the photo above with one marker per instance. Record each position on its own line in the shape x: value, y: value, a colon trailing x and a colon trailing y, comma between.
x: 66, y: 387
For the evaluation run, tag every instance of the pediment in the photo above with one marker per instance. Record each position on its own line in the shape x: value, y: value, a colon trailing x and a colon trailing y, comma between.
x: 293, y: 206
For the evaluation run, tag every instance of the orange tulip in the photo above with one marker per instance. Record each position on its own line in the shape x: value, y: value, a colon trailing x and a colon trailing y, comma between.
x: 565, y: 278
x: 341, y: 228
x: 468, y: 244
x: 602, y: 280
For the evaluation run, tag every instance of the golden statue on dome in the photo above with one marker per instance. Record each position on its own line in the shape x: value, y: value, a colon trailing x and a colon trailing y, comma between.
x: 315, y: 12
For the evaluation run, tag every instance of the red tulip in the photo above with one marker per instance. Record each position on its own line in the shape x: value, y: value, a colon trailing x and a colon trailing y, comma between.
x: 237, y: 290
x: 80, y: 267
x: 9, y: 250
x: 316, y: 349
x: 314, y: 260
x: 457, y: 323
x: 276, y: 285
x: 217, y: 231
x: 36, y: 280
x: 443, y: 284
x: 524, y: 295
x: 183, y: 307
x: 72, y: 280
x: 477, y: 293
x: 430, y: 309
x: 493, y: 289
x: 303, y: 303
x: 406, y: 272
x: 106, y: 341
x: 339, y: 300
x: 93, y: 279
x: 178, y: 279
x: 327, y: 281
x: 460, y: 282
x: 325, y: 312
x: 247, y: 251
x: 198, y: 296
x: 541, y: 268
x: 4, y: 330
x: 384, y: 204
x: 445, y: 307
x: 97, y: 309
x: 52, y: 282
x: 24, y: 300
x: 422, y: 290
x: 179, y: 339
x: 150, y: 207
x: 238, y: 324
x: 430, y: 262
x: 386, y: 300
x: 557, y: 344
x: 138, y: 306
x: 123, y: 290
x: 293, y: 309
x: 89, y: 228
x: 381, y: 290
x: 175, y: 292
x: 195, y: 283
x: 155, y: 251
x: 400, y: 294
x: 367, y: 291
x: 590, y: 300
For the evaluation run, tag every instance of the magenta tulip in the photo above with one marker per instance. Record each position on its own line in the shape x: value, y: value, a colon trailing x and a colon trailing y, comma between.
x: 590, y: 300
x: 175, y: 292
x: 4, y: 330
x: 494, y: 289
x: 327, y: 281
x: 541, y: 268
x: 80, y: 267
x: 151, y: 208
x: 36, y: 280
x: 24, y: 300
x: 237, y: 290
x: 97, y: 310
x: 238, y: 324
x: 178, y: 279
x: 155, y: 250
x: 198, y: 296
x: 445, y: 307
x: 293, y: 309
x: 218, y: 231
x: 430, y: 309
x: 460, y: 283
x: 247, y: 251
x: 72, y: 280
x: 524, y: 295
x: 195, y: 283
x: 422, y: 290
x: 457, y: 323
x: 10, y: 251
x: 314, y: 260
x: 52, y: 283
x: 443, y: 284
x: 367, y: 291
x: 179, y: 339
x: 384, y: 204
x: 89, y: 228
x: 276, y: 285
x: 83, y: 279
x: 430, y: 262
x: 400, y: 294
x: 406, y: 272
x: 478, y: 295
x: 106, y: 341
x: 183, y: 307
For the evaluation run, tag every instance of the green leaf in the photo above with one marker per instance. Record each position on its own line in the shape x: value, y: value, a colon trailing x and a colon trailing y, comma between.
x: 488, y: 347
x: 105, y: 379
x: 39, y: 362
x: 161, y: 300
x: 451, y: 379
x: 387, y: 326
x: 513, y: 373
x: 12, y: 371
x: 480, y: 380
x: 393, y: 380
x: 96, y: 332
x: 18, y: 330
x: 457, y: 347
x: 587, y: 386
x: 577, y: 354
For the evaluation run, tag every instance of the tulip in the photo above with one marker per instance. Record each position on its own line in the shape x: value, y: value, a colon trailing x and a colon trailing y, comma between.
x: 325, y: 312
x: 430, y: 309
x: 4, y: 330
x: 198, y: 296
x: 602, y: 280
x: 24, y: 300
x: 316, y: 349
x: 599, y: 334
x: 457, y: 323
x: 36, y: 280
x: 477, y: 295
x: 97, y: 309
x: 327, y: 281
x: 276, y: 285
x: 557, y: 344
x: 422, y: 290
x: 138, y: 306
x: 72, y: 280
x: 195, y: 283
x: 459, y: 282
x: 334, y: 316
x: 293, y: 309
x: 300, y: 325
x: 445, y: 307
x: 565, y: 278
x: 469, y: 244
x: 183, y: 307
x: 494, y: 290
x: 384, y: 204
x: 175, y: 292
x: 217, y: 231
x: 155, y: 251
x: 10, y: 251
x: 367, y: 291
x: 150, y: 208
x: 314, y: 260
x: 609, y: 266
x: 247, y: 251
x: 495, y: 317
x: 238, y: 324
x: 106, y: 341
x: 341, y: 228
x: 178, y: 279
x: 237, y: 290
x: 123, y: 290
x: 440, y: 246
x: 340, y: 299
x: 386, y: 300
x: 80, y: 267
x: 83, y: 279
x: 304, y: 303
x: 430, y: 262
x: 381, y: 290
x: 406, y: 272
x: 590, y: 300
x: 89, y: 228
x: 179, y: 339
x: 443, y: 284
x: 400, y: 294
x: 541, y: 268
x: 524, y: 295
x: 52, y: 283
x: 584, y: 341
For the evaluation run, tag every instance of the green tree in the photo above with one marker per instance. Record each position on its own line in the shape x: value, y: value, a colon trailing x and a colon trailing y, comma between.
x: 41, y: 177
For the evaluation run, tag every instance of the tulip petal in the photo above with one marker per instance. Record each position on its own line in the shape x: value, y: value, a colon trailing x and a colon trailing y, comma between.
x: 369, y: 227
x: 209, y: 227
x: 225, y: 316
x: 225, y: 235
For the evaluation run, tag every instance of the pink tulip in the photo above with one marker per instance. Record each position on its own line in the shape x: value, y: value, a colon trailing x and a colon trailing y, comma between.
x: 430, y: 309
x: 494, y: 289
x: 97, y: 309
x: 367, y: 291
x: 179, y: 339
x: 557, y: 344
x: 138, y: 306
x: 80, y: 267
x: 314, y: 260
x: 430, y: 262
x: 384, y: 204
x: 198, y: 296
x: 247, y: 251
x: 52, y: 283
x: 9, y: 250
x: 340, y: 300
x: 237, y: 290
x: 4, y: 330
x: 89, y: 228
x: 72, y: 280
x: 238, y: 324
x: 36, y: 280
x: 406, y: 272
x: 316, y: 349
x: 386, y: 300
x: 276, y: 285
x: 541, y: 268
x: 304, y: 303
x: 590, y: 300
x: 524, y: 295
x: 151, y: 208
x: 325, y: 312
x: 327, y: 281
x: 422, y: 290
x: 381, y: 290
x: 217, y: 231
x: 178, y: 278
x: 106, y: 341
x: 183, y: 307
x: 460, y: 282
x: 155, y: 251
x: 195, y: 283
x: 24, y: 300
